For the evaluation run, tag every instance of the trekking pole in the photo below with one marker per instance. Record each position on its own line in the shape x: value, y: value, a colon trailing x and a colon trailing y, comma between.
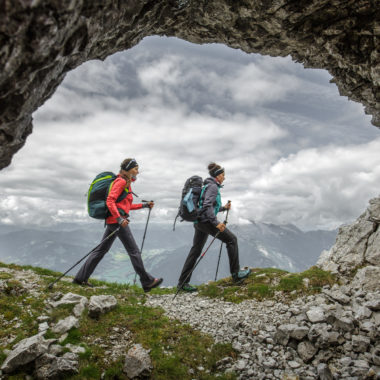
x: 50, y: 286
x: 142, y: 244
x: 221, y: 245
x: 200, y: 258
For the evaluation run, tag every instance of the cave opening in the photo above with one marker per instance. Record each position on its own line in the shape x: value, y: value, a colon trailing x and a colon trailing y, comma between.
x: 294, y: 150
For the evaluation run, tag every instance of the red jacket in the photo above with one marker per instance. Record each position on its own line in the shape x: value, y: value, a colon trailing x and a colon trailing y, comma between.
x: 118, y: 186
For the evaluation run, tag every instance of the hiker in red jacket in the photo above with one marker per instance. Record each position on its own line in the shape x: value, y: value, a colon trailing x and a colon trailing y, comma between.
x: 119, y: 217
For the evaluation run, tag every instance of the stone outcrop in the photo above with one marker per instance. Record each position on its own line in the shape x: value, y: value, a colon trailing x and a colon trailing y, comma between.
x: 43, y: 356
x: 137, y: 362
x: 101, y: 304
x: 357, y: 248
x: 25, y: 352
x: 80, y: 303
x: 41, y: 40
x: 52, y: 367
x: 333, y: 335
x: 66, y: 325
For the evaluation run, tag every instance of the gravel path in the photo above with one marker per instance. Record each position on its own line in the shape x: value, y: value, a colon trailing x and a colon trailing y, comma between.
x: 332, y: 335
x: 250, y: 326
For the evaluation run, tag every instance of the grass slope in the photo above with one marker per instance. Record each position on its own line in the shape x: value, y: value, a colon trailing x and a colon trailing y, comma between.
x: 177, y: 351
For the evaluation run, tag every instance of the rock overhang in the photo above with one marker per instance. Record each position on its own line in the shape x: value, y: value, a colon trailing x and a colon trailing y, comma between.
x: 41, y: 40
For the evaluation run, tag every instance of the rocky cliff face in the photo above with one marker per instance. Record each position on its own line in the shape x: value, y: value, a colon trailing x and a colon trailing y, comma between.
x: 357, y: 250
x: 41, y: 40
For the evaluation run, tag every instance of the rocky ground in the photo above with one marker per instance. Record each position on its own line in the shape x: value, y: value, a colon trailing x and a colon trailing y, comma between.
x: 333, y: 335
x: 52, y: 358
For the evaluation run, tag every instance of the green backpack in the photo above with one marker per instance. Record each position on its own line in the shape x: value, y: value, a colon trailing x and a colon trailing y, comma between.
x: 97, y: 195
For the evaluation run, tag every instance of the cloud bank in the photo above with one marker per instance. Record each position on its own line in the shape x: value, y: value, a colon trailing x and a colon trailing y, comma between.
x: 294, y: 151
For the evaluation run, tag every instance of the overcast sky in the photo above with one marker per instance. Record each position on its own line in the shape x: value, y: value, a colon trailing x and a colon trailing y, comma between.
x: 293, y: 149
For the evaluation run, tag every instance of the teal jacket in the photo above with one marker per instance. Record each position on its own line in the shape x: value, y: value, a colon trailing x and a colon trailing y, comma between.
x: 210, y: 202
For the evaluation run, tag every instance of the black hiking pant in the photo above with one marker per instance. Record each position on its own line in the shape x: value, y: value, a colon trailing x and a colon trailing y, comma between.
x: 126, y: 237
x: 202, y: 231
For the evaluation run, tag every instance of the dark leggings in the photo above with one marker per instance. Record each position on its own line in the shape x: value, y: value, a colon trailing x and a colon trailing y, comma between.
x: 202, y: 231
x: 126, y: 237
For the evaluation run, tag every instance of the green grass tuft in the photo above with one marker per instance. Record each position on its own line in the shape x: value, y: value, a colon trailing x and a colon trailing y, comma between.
x: 61, y: 312
x: 2, y: 357
x: 73, y: 337
x: 50, y: 335
x: 87, y: 354
x: 259, y: 291
x: 90, y: 372
x: 290, y: 282
x: 114, y: 371
x: 265, y: 283
x: 5, y: 276
x: 42, y: 271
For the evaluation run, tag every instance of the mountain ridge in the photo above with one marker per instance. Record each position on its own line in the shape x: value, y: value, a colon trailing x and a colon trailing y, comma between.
x: 165, y: 251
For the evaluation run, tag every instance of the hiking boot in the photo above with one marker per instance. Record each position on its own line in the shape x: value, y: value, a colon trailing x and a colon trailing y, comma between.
x: 86, y: 283
x: 156, y: 282
x: 189, y: 288
x: 241, y: 275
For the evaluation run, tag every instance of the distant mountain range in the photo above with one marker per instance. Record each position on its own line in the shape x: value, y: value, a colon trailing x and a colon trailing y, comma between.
x: 260, y: 245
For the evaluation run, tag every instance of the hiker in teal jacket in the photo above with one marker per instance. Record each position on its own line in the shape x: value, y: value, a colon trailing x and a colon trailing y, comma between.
x: 207, y: 224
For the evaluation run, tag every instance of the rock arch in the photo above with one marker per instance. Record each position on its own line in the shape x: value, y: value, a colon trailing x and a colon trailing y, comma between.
x: 41, y: 40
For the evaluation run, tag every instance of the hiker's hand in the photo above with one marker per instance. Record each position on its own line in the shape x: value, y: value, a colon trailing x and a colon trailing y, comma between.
x: 150, y: 204
x: 227, y: 206
x: 123, y: 222
x: 221, y: 227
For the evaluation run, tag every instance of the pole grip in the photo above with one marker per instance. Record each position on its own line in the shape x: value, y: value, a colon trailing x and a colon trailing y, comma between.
x: 226, y: 220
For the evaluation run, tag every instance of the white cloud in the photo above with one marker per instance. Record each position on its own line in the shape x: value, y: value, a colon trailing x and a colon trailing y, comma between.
x: 261, y: 82
x: 163, y: 73
x: 320, y: 186
x: 294, y: 152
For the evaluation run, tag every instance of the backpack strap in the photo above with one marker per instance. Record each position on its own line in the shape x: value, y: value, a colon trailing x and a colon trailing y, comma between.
x: 122, y: 195
x: 200, y: 197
